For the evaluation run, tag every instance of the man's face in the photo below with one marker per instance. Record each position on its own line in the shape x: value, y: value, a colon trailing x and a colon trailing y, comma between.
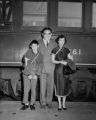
x: 47, y: 35
x: 34, y: 47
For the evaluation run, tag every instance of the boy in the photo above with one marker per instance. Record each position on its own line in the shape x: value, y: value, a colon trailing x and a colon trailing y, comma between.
x: 33, y: 68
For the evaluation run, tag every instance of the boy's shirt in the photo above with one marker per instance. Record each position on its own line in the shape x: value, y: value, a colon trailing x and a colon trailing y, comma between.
x: 34, y: 64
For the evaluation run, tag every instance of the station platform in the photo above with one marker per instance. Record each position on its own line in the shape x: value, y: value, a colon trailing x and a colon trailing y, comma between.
x: 10, y: 110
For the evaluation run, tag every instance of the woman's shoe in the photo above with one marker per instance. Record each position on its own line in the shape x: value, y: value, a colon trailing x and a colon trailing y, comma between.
x: 64, y: 108
x: 24, y: 107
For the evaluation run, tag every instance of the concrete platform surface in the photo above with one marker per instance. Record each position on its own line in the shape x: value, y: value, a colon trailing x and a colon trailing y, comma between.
x: 10, y: 110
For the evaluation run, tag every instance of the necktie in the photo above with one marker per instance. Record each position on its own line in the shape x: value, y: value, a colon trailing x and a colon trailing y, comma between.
x: 47, y: 44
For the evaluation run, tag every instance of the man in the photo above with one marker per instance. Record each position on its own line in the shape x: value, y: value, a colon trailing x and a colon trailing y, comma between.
x: 33, y: 69
x: 47, y: 78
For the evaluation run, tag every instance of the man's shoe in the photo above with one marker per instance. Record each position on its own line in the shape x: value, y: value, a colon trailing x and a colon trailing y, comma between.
x: 43, y: 106
x: 24, y: 107
x: 32, y: 107
x: 49, y: 106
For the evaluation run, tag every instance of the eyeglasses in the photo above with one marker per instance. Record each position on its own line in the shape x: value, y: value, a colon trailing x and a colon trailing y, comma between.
x: 47, y: 33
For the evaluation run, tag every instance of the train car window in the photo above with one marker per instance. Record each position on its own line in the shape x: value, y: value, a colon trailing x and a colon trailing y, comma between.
x: 34, y: 13
x: 6, y: 17
x: 94, y: 14
x: 69, y: 13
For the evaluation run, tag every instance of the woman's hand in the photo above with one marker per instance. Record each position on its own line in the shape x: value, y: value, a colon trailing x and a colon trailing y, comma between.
x: 26, y: 61
x: 63, y: 62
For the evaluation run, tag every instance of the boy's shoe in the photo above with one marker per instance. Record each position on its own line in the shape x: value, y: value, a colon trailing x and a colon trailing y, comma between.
x: 24, y: 107
x: 32, y: 107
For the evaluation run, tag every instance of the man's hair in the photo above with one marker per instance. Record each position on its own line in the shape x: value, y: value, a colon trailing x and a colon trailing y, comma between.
x: 44, y: 29
x: 33, y: 42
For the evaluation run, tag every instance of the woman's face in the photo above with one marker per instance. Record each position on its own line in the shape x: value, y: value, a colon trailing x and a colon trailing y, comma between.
x: 61, y: 42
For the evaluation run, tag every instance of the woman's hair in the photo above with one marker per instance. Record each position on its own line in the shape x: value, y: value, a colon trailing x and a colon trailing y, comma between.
x: 33, y: 42
x: 60, y: 36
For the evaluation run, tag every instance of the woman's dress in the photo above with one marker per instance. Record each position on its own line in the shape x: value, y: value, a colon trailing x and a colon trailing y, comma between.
x: 61, y: 80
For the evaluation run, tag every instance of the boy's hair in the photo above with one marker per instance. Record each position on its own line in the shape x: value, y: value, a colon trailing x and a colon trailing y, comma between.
x: 33, y: 42
x: 46, y: 28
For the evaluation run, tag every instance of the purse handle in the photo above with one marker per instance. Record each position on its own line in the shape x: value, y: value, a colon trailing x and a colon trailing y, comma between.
x: 34, y: 58
x: 58, y: 51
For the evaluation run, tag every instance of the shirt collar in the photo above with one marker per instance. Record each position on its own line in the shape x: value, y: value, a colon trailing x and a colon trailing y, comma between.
x: 46, y: 41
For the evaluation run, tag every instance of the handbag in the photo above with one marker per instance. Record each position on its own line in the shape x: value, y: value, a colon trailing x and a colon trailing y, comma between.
x: 70, y: 68
x: 67, y: 70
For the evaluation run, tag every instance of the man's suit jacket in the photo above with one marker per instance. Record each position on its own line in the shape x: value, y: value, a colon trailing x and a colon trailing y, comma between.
x: 48, y: 66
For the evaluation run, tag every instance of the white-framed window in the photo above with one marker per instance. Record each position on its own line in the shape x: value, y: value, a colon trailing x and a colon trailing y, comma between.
x: 34, y: 13
x: 69, y: 14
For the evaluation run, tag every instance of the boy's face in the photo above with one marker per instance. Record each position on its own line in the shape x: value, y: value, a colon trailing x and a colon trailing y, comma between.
x: 47, y: 35
x: 34, y: 47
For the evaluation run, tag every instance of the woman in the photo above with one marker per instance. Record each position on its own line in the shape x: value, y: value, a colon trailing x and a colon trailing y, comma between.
x: 60, y: 54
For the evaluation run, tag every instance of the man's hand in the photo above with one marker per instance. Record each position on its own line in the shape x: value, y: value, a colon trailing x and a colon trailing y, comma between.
x: 35, y: 77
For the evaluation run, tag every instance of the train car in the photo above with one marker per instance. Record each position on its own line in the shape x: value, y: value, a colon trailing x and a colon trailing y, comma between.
x: 22, y: 21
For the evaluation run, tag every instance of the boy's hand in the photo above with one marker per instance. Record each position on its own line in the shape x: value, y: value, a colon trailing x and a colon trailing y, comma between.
x: 32, y: 76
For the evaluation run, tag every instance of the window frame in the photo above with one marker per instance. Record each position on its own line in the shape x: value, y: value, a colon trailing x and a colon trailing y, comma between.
x: 92, y: 29
x: 6, y: 26
x: 33, y: 28
x: 88, y: 17
x: 52, y: 18
x: 70, y: 29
